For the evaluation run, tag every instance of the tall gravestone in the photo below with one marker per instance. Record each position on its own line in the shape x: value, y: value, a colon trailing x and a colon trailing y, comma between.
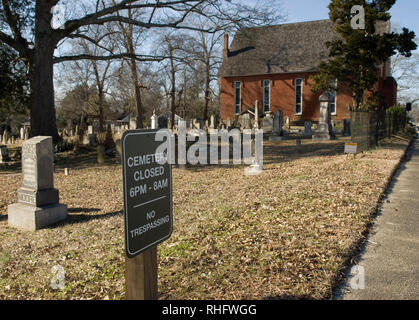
x: 267, y: 123
x: 38, y: 202
x: 256, y: 124
x: 245, y: 121
x: 4, y: 154
x: 307, y: 128
x: 212, y: 124
x: 278, y: 123
x: 324, y: 130
x: 5, y: 136
x: 346, y: 127
x: 154, y: 120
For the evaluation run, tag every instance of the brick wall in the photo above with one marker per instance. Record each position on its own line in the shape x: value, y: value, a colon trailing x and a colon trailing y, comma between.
x: 282, y: 96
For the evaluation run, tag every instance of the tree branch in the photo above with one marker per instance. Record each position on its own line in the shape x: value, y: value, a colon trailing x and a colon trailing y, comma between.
x: 23, y: 50
x: 101, y: 17
x: 17, y: 42
x: 110, y: 57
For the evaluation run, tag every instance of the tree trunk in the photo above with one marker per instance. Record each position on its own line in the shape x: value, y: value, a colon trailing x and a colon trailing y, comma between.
x: 173, y: 92
x: 101, y: 108
x: 207, y: 95
x: 42, y: 105
x: 139, y: 103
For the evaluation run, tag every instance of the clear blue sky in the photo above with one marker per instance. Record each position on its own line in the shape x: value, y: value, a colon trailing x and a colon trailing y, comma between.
x: 404, y: 13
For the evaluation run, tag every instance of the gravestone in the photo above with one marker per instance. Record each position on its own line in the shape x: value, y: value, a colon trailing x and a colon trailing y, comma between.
x: 245, y: 121
x: 346, y: 127
x: 4, y: 154
x: 267, y: 123
x: 162, y: 122
x: 228, y: 123
x: 133, y: 123
x: 22, y: 133
x: 5, y: 136
x: 90, y: 130
x: 26, y: 133
x: 307, y: 128
x: 38, y: 201
x: 324, y: 130
x: 278, y: 123
x: 212, y: 123
x: 154, y: 120
x: 196, y: 124
x: 287, y: 122
x: 90, y: 140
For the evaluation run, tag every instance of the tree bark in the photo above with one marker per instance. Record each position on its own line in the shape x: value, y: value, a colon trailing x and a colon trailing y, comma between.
x: 101, y: 111
x: 42, y: 104
x: 207, y: 93
x: 137, y: 90
x: 173, y: 90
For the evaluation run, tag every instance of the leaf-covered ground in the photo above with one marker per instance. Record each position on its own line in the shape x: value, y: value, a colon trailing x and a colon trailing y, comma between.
x: 286, y: 233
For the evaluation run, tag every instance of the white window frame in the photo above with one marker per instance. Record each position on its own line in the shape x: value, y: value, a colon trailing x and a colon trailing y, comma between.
x: 235, y: 97
x: 269, y: 97
x: 295, y: 96
x: 336, y: 98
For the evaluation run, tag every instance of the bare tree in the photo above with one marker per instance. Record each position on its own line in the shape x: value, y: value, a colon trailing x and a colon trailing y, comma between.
x: 25, y: 25
x: 129, y: 36
x: 406, y: 73
x: 170, y: 45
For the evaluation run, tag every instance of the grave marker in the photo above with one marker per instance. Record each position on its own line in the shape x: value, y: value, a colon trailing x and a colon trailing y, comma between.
x: 37, y: 205
x: 4, y: 154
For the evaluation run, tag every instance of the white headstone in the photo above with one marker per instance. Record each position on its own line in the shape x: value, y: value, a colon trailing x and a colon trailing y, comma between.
x: 256, y: 124
x: 154, y: 121
x: 212, y: 124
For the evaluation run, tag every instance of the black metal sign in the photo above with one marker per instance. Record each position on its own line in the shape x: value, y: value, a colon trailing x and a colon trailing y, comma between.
x: 147, y: 181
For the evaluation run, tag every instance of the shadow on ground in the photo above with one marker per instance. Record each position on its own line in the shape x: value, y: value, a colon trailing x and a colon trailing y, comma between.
x: 85, y: 216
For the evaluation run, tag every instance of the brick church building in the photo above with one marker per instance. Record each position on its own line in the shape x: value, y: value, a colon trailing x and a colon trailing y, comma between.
x: 273, y: 65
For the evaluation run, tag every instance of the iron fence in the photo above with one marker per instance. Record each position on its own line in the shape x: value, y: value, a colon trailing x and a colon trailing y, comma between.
x: 369, y: 127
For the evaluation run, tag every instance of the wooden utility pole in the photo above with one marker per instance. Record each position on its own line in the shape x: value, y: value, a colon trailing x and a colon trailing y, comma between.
x: 141, y: 276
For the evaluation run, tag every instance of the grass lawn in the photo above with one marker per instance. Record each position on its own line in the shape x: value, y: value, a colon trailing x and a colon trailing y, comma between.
x: 287, y: 233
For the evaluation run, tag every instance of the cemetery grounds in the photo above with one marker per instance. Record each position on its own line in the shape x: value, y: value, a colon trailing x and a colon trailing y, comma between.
x: 285, y: 234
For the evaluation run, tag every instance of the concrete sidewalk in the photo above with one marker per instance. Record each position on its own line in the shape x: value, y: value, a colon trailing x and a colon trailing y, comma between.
x: 390, y: 259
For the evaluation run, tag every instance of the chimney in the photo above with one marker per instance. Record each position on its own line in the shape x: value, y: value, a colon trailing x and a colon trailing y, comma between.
x: 225, y: 50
